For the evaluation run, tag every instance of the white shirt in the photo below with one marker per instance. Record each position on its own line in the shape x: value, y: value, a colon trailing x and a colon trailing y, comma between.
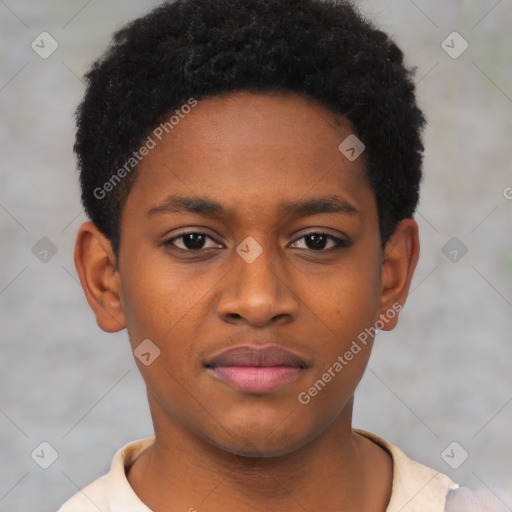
x: 415, y: 488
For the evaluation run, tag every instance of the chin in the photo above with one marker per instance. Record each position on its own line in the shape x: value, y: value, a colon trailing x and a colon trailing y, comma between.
x: 275, y: 438
x: 258, y: 448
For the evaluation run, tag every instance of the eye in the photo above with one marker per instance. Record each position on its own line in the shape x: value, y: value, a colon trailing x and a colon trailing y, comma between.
x: 195, y: 242
x: 318, y: 241
x: 191, y: 242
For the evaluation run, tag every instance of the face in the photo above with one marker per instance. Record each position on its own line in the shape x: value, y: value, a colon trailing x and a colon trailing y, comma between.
x: 248, y: 229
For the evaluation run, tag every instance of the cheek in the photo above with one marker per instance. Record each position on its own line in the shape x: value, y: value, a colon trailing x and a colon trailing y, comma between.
x: 165, y: 304
x: 345, y: 313
x: 158, y: 308
x: 153, y: 300
x: 349, y: 299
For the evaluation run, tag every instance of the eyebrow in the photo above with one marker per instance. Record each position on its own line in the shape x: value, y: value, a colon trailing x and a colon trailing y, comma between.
x: 209, y: 208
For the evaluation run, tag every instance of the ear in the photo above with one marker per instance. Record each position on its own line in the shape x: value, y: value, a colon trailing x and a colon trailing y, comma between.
x: 400, y: 257
x: 95, y: 263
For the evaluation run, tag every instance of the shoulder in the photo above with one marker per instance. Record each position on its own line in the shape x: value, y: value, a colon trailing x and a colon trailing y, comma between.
x: 416, y: 487
x: 111, y: 492
x: 91, y: 498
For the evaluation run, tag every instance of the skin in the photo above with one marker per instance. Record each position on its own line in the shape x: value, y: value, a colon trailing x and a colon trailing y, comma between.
x: 218, y: 448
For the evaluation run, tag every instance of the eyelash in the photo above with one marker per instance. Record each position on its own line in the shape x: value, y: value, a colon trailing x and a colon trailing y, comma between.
x: 339, y: 242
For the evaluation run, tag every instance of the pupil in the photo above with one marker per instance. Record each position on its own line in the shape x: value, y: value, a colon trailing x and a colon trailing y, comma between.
x: 318, y: 241
x: 193, y: 241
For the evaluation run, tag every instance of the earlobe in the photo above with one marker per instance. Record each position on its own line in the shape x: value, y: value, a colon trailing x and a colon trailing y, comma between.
x: 400, y: 258
x: 96, y: 266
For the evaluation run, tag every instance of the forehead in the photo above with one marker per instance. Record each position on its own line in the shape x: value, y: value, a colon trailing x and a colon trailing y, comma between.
x: 252, y: 148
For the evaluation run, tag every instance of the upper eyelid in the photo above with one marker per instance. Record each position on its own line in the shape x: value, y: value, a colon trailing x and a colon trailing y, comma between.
x: 181, y: 235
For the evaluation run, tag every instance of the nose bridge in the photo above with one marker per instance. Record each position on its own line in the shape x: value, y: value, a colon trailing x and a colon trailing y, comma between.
x: 257, y: 289
x: 257, y: 265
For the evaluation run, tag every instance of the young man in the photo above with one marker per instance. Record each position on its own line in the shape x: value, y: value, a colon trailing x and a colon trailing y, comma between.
x: 251, y: 169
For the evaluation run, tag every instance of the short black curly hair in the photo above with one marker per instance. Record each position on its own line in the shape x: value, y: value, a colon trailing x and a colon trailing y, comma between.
x: 323, y: 49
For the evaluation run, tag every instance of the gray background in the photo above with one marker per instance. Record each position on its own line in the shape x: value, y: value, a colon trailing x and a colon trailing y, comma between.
x: 443, y: 375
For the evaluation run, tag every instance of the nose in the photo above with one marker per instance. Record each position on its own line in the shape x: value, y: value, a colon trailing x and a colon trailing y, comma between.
x: 258, y: 292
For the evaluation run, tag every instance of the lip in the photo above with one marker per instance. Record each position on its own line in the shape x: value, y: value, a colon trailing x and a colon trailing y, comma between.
x: 256, y: 369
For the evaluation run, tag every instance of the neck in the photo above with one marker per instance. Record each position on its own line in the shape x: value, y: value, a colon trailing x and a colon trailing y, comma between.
x: 335, y: 471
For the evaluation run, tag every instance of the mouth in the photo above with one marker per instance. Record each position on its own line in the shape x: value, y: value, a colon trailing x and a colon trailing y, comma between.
x: 255, y: 369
